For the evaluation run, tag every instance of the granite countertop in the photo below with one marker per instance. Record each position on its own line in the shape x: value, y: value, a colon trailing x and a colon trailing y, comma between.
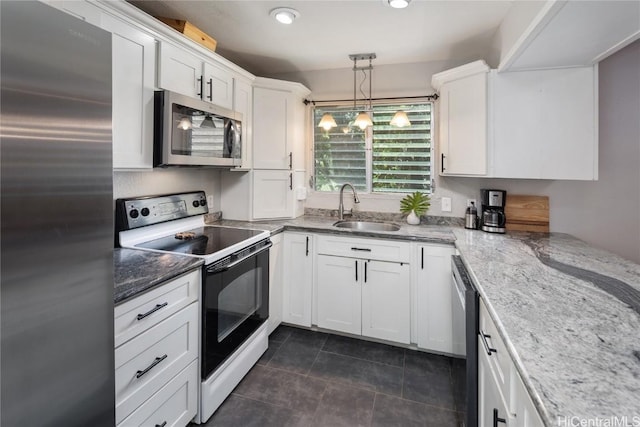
x: 324, y: 224
x: 137, y: 271
x: 569, y: 315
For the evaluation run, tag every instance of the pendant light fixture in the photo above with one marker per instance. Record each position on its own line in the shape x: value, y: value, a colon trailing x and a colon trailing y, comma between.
x: 327, y: 122
x: 400, y: 119
x: 363, y: 120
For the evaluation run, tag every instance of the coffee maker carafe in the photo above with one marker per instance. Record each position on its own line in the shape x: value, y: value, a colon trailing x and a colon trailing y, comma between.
x: 492, y: 217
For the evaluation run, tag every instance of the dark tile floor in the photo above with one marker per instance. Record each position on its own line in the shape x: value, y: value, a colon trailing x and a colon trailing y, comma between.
x: 309, y: 378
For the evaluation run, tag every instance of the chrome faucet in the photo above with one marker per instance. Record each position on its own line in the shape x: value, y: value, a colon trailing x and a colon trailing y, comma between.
x: 341, y: 210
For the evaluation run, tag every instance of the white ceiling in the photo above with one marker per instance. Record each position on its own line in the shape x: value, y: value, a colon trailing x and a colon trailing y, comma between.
x: 328, y: 31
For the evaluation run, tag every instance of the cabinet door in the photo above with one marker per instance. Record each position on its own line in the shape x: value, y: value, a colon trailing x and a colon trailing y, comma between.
x: 339, y: 295
x: 218, y: 85
x: 434, y: 313
x: 298, y: 278
x: 545, y: 124
x: 133, y: 68
x: 272, y: 194
x: 180, y: 71
x: 243, y: 104
x: 386, y: 301
x: 491, y: 406
x: 270, y: 150
x: 463, y: 126
x: 275, y: 282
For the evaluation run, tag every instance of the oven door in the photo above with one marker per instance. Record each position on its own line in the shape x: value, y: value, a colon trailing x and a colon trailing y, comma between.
x: 235, y: 303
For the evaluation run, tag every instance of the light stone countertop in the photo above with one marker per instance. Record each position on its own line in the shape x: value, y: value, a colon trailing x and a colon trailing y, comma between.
x: 570, y: 317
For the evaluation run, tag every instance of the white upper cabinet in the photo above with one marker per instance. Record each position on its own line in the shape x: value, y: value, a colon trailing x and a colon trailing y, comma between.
x: 218, y: 85
x: 540, y: 124
x: 574, y: 34
x: 270, y: 148
x: 463, y: 119
x: 180, y: 71
x: 544, y: 124
x: 189, y: 74
x: 133, y: 69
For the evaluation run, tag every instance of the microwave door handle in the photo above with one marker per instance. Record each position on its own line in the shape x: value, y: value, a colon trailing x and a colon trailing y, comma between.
x: 228, y: 140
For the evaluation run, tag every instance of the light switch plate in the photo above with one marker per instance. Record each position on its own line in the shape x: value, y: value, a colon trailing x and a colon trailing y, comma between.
x: 446, y: 204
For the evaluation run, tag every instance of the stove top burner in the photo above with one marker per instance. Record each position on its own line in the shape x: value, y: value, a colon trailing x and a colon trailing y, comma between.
x: 200, y: 241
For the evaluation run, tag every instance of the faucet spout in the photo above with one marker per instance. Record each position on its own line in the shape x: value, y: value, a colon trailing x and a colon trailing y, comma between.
x: 341, y: 210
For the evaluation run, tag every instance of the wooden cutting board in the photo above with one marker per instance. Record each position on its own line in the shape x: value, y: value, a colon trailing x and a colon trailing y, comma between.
x: 527, y: 213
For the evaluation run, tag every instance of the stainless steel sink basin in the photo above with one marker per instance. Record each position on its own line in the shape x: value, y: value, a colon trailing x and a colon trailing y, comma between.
x: 367, y: 226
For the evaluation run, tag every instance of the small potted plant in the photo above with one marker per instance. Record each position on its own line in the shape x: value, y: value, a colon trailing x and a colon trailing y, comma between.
x: 415, y: 205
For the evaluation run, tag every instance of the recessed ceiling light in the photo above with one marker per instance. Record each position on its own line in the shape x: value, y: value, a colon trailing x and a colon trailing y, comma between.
x: 399, y: 4
x: 285, y: 15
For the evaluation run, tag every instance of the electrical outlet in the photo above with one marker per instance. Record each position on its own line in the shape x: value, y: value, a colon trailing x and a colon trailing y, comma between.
x: 446, y: 204
x: 210, y: 203
x: 469, y: 201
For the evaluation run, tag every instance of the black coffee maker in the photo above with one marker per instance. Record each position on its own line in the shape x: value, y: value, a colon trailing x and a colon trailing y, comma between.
x: 492, y: 215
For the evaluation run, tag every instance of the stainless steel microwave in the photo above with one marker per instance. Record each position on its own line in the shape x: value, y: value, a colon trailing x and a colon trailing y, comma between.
x: 191, y: 132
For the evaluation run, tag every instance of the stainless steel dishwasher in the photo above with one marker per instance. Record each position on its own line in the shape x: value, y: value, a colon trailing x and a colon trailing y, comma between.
x: 465, y: 332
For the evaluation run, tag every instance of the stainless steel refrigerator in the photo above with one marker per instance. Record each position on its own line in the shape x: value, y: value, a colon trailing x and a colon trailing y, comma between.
x: 56, y: 207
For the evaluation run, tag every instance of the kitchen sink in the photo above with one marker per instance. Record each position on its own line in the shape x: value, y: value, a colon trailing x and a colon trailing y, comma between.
x: 367, y: 226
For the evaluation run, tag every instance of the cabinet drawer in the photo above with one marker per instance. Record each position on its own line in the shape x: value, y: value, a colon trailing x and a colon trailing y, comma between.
x: 494, y: 348
x: 174, y: 404
x: 383, y: 250
x: 146, y: 363
x: 141, y: 313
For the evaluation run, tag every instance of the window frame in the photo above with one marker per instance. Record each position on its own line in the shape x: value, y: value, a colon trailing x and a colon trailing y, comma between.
x: 369, y: 144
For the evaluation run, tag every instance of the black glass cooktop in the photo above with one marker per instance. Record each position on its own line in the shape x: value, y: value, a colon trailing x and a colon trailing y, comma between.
x: 201, y: 241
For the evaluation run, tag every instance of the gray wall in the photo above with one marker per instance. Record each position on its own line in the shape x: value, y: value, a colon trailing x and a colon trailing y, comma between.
x: 605, y: 213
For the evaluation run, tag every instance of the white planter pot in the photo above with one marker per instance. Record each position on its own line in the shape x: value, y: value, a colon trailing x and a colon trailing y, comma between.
x: 413, y: 219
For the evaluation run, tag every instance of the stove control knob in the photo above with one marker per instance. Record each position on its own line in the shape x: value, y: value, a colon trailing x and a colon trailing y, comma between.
x: 145, y: 211
x: 196, y: 204
x: 203, y: 202
x: 134, y: 213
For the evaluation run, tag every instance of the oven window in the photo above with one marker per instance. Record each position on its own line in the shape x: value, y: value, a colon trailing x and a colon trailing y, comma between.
x: 239, y: 300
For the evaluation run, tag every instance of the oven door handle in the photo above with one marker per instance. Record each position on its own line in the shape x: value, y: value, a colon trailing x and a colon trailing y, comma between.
x: 238, y: 261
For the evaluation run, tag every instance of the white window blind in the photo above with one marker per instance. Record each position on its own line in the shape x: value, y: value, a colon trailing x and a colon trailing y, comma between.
x: 385, y: 158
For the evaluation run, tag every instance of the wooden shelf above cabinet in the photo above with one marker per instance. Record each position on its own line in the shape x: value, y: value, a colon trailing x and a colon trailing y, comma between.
x: 190, y: 31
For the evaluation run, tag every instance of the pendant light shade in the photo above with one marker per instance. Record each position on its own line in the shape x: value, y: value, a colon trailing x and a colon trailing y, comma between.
x: 327, y: 122
x: 363, y: 120
x: 400, y: 119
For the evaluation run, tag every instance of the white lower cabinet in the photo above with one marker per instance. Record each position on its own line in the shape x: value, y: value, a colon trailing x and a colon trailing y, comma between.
x: 275, y: 282
x: 432, y: 275
x: 502, y: 396
x: 364, y: 296
x: 298, y: 255
x: 492, y: 409
x: 173, y: 405
x: 339, y: 294
x: 156, y: 354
